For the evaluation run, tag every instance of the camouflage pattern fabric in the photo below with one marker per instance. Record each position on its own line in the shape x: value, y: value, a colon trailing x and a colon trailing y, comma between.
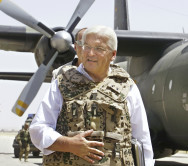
x: 98, y: 106
x: 23, y: 139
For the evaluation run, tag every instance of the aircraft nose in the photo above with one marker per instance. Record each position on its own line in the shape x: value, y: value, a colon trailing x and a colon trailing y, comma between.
x: 167, y: 96
x: 176, y: 84
x: 176, y: 98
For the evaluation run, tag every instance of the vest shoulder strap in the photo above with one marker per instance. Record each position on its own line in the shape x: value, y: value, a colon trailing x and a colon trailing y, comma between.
x: 73, y: 84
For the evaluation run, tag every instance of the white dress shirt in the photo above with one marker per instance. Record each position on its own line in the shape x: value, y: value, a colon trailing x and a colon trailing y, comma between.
x: 42, y: 128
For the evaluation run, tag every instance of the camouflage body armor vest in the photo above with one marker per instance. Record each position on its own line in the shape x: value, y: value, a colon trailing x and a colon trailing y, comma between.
x: 98, y: 106
x: 24, y: 136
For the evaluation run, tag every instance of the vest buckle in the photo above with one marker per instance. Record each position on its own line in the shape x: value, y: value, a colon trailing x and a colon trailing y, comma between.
x: 94, y: 109
x: 117, y: 150
x: 74, y: 110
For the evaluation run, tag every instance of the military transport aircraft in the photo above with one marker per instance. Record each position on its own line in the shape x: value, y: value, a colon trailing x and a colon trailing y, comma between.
x: 158, y: 62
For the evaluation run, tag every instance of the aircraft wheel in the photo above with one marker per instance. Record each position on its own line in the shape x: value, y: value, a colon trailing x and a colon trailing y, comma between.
x: 36, y: 153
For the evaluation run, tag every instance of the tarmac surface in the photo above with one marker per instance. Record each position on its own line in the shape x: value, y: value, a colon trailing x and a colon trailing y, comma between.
x: 10, y: 160
x: 7, y: 156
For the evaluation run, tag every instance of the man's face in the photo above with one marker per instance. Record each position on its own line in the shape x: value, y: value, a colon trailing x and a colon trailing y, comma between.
x: 26, y: 126
x: 96, y: 56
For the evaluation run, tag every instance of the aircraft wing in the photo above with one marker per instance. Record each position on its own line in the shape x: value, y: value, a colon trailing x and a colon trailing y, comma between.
x: 24, y: 39
x: 21, y: 38
x: 138, y: 43
x: 18, y: 38
x: 130, y: 43
x: 20, y: 76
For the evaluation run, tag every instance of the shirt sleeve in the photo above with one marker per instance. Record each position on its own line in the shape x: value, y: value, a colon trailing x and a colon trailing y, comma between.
x: 139, y: 123
x: 42, y: 128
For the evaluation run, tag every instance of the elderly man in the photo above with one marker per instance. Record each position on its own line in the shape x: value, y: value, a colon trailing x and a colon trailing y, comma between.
x: 90, y: 113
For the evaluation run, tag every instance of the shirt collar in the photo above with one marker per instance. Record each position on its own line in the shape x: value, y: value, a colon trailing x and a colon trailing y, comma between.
x: 82, y: 71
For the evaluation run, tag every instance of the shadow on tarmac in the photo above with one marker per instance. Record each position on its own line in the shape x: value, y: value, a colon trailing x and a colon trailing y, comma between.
x: 169, y: 163
x: 30, y: 157
x: 38, y: 164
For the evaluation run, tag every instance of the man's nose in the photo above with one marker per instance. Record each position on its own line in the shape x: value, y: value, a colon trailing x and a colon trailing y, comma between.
x: 92, y: 52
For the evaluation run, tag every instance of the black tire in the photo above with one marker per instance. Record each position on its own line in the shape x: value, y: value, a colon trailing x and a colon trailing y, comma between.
x: 36, y: 153
x: 162, y: 152
x: 16, y: 152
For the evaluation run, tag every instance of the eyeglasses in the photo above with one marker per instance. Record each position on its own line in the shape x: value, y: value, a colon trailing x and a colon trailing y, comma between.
x: 97, y: 50
x: 79, y: 42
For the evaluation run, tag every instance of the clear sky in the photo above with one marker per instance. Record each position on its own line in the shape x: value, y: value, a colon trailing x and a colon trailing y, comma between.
x: 145, y: 15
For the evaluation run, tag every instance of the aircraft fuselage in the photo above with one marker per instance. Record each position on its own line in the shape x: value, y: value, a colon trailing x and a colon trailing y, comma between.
x: 165, y: 95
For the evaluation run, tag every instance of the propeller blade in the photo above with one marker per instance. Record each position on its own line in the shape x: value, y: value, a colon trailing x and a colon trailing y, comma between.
x: 60, y: 41
x: 32, y: 87
x: 19, y: 14
x: 81, y: 9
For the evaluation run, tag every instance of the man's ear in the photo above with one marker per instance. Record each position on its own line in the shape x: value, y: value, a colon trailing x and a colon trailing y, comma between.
x: 113, y: 55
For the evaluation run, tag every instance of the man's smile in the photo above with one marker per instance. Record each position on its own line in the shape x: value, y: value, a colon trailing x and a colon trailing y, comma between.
x: 91, y: 60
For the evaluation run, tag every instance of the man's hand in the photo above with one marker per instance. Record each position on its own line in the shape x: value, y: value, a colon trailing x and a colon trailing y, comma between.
x: 84, y: 148
x: 79, y: 146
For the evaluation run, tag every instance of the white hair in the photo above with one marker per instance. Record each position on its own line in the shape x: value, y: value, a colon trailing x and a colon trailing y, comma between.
x: 102, y: 31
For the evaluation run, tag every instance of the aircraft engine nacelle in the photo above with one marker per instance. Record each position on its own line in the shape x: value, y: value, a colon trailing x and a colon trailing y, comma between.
x: 166, y: 98
x: 44, y: 46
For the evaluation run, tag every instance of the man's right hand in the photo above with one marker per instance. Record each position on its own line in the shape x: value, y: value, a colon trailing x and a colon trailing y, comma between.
x: 85, y: 149
x: 79, y: 146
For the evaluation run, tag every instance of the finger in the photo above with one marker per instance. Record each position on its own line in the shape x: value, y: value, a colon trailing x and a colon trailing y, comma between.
x: 96, y: 151
x: 95, y: 143
x: 94, y: 156
x: 88, y: 159
x: 87, y: 133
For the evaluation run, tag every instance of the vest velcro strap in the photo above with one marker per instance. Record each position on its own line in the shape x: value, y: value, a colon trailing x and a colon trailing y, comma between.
x: 115, y: 136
